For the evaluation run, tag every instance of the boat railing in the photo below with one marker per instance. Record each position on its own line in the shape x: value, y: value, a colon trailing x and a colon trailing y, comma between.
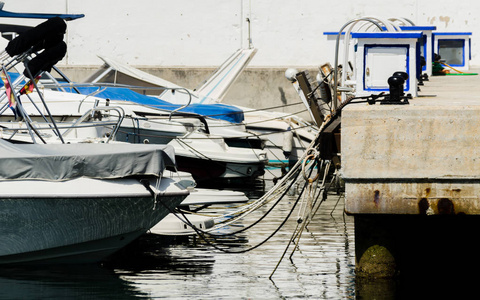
x: 91, y: 113
x: 103, y: 86
x: 90, y: 119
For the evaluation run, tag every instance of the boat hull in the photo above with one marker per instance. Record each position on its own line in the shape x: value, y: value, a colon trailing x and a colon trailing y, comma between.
x: 208, y: 170
x: 144, y: 136
x: 76, y: 229
x: 283, y: 147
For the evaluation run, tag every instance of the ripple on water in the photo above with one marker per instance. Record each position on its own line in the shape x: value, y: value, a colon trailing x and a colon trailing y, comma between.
x: 321, y: 267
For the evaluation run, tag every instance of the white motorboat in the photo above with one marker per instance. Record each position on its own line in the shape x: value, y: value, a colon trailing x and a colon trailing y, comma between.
x: 176, y: 224
x: 198, y: 199
x: 211, y: 158
x: 212, y: 90
x: 284, y: 136
x: 80, y: 203
x: 194, y: 149
x: 281, y: 136
x: 66, y: 109
x: 204, y: 196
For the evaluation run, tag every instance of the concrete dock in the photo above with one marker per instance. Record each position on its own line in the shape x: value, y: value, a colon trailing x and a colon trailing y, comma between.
x: 412, y: 174
x: 396, y: 155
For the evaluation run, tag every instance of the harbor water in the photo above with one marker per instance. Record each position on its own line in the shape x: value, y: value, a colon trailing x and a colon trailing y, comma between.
x: 159, y: 267
x: 156, y: 267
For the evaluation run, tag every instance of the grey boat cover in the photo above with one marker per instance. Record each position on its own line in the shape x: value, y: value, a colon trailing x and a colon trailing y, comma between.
x: 58, y: 162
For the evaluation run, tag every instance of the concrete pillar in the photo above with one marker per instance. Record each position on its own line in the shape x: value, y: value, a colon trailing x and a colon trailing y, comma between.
x: 413, y: 246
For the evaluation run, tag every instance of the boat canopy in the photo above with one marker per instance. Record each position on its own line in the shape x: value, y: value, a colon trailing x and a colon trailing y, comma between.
x: 216, y: 111
x: 58, y: 162
x: 9, y: 14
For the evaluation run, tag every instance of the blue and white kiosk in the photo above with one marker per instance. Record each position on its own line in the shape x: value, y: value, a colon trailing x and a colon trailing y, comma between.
x: 426, y: 45
x: 454, y: 48
x: 380, y: 54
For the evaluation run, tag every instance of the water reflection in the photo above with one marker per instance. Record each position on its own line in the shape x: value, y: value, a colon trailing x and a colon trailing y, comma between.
x: 156, y: 253
x: 64, y: 282
x: 322, y: 267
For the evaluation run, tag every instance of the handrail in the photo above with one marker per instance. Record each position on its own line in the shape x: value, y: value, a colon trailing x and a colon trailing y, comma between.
x: 378, y: 21
x: 87, y: 114
x: 337, y: 43
x: 183, y: 106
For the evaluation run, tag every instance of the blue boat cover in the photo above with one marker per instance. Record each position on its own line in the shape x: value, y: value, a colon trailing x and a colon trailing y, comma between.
x: 216, y: 111
x: 67, y: 17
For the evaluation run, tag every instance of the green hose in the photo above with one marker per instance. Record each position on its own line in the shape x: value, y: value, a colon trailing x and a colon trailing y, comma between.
x: 461, y: 74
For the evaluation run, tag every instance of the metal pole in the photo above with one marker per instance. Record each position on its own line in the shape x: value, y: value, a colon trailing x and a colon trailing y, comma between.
x: 19, y: 107
x: 45, y: 105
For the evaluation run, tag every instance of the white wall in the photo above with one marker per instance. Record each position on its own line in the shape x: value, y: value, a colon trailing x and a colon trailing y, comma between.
x: 204, y: 33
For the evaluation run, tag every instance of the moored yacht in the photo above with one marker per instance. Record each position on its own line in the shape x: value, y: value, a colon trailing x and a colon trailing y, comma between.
x: 283, y: 136
x: 79, y: 203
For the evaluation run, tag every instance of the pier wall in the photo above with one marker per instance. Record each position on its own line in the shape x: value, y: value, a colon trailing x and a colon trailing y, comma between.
x: 421, y: 158
x: 184, y: 40
x: 166, y: 33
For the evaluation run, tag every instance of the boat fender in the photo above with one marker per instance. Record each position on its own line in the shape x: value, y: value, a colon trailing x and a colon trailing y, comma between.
x: 287, y: 142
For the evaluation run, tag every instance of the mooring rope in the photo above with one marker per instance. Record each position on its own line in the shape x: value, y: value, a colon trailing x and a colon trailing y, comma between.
x: 202, y: 236
x: 306, y: 164
x: 305, y: 213
x: 280, y: 185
